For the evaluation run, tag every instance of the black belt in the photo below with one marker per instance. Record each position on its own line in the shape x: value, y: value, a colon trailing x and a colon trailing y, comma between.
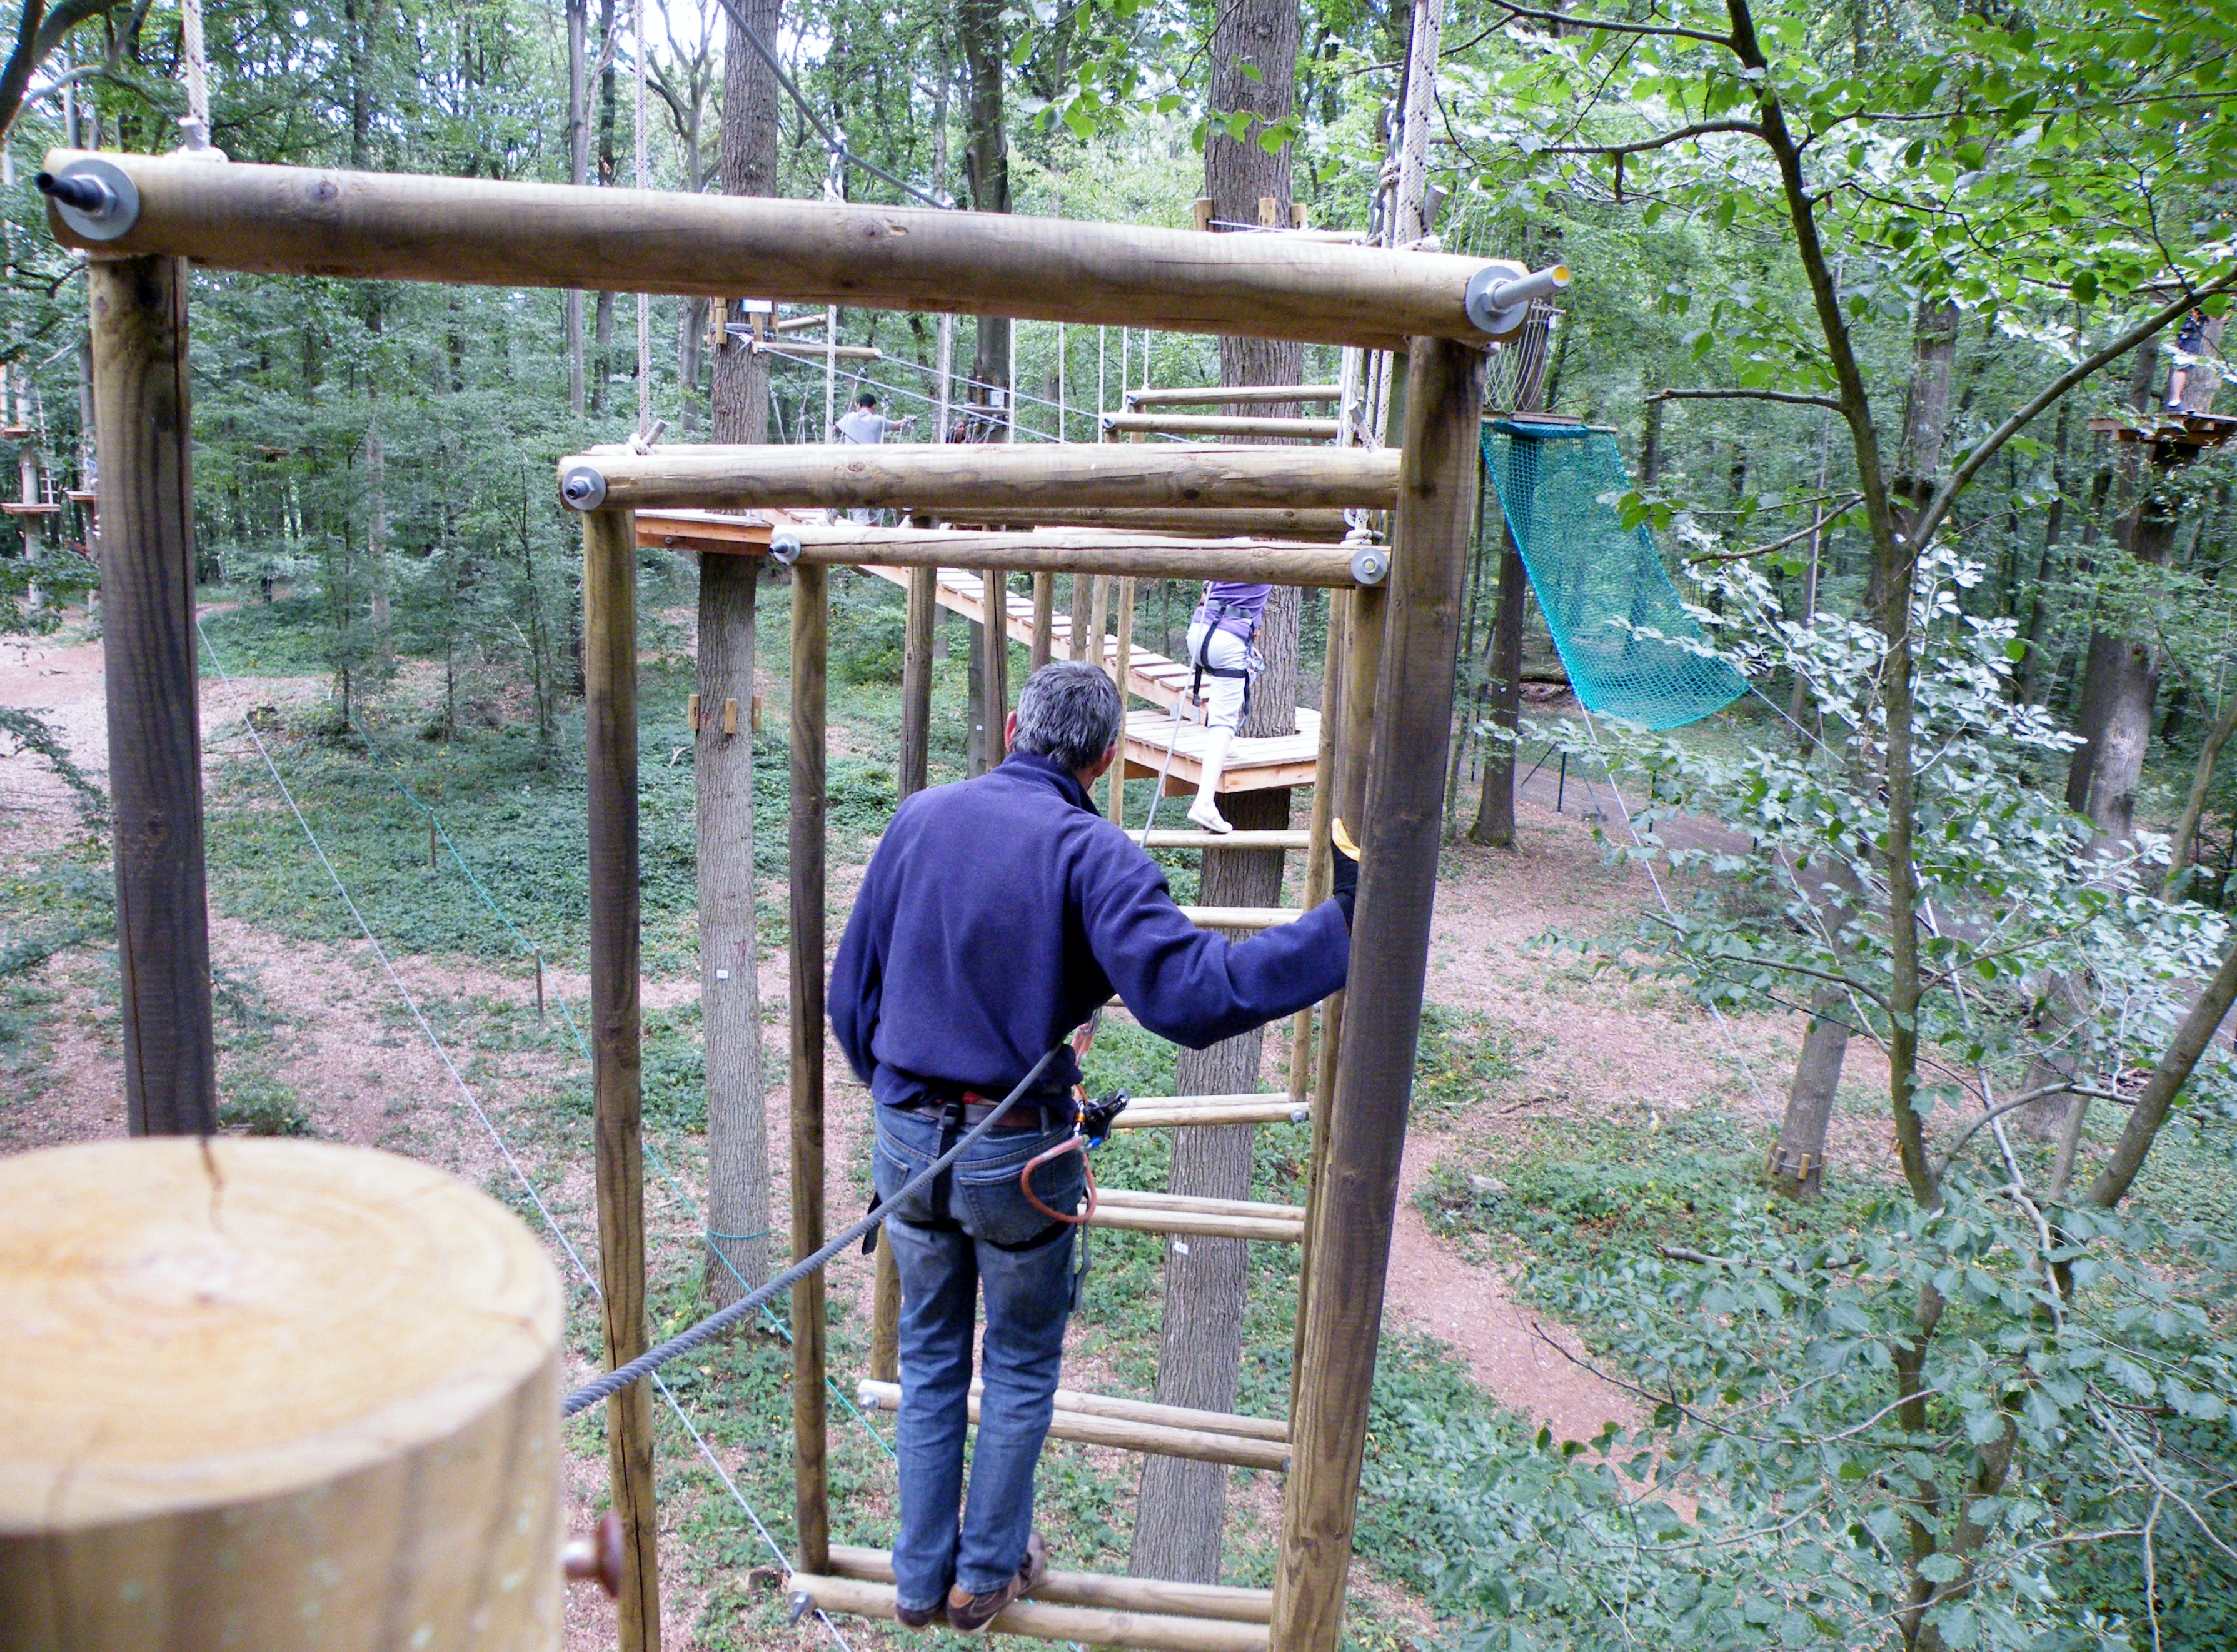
x: 968, y: 1108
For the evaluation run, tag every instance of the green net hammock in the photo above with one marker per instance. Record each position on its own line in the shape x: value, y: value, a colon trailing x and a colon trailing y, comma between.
x: 1596, y: 580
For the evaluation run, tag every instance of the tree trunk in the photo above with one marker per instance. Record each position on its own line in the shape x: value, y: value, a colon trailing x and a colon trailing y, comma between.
x: 1798, y: 1164
x: 986, y: 160
x: 376, y: 534
x: 578, y: 173
x: 602, y: 364
x: 730, y: 954
x: 2193, y: 808
x: 2099, y: 780
x: 1180, y: 1514
x: 1181, y: 1510
x: 1494, y: 812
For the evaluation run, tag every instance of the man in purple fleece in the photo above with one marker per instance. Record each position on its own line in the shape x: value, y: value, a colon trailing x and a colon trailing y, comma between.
x: 996, y: 915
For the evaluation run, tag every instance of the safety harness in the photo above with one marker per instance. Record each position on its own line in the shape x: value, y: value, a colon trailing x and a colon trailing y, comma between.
x: 1241, y: 623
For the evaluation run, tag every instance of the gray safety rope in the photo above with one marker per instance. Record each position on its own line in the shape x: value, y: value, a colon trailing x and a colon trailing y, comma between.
x: 646, y: 1363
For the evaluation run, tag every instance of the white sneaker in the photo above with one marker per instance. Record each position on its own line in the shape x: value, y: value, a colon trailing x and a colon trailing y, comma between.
x: 1205, y: 813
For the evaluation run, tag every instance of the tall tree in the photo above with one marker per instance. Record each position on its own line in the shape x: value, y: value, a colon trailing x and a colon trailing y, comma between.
x: 578, y: 173
x: 986, y: 164
x: 729, y: 958
x: 1180, y: 1515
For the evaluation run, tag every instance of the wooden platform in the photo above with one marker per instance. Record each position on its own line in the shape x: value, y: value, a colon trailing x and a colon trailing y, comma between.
x: 1252, y: 766
x: 2164, y: 428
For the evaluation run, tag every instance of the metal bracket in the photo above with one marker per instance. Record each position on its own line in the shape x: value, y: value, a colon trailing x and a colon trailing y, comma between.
x: 799, y: 1605
x: 584, y: 488
x: 96, y: 198
x: 784, y: 547
x: 1370, y: 565
x: 1498, y: 294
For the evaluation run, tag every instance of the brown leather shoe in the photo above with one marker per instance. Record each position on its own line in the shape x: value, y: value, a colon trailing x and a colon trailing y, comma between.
x: 967, y: 1614
x: 916, y: 1618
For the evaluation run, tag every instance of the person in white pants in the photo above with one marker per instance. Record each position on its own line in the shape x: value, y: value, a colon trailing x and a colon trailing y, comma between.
x: 1223, y: 662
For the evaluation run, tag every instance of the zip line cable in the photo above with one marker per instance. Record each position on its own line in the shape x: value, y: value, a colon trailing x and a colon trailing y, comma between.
x: 652, y: 1359
x: 387, y: 766
x: 489, y: 1125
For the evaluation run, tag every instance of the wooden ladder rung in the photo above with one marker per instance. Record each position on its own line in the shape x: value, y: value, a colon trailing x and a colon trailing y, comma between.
x: 1161, y: 1437
x: 1160, y: 1112
x: 1044, y: 1621
x: 1241, y: 917
x: 1219, y: 425
x: 1228, y: 839
x: 1095, y: 1588
x: 1143, y: 1212
x: 1234, y: 395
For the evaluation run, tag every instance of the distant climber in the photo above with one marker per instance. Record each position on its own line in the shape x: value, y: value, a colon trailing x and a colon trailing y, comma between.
x: 1220, y: 637
x: 866, y: 426
x: 2189, y: 345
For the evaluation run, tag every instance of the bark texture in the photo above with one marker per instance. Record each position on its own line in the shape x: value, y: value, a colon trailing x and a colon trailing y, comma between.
x: 1181, y: 1511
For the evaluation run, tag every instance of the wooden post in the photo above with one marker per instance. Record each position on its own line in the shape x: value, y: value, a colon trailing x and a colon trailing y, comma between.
x: 811, y: 617
x: 916, y: 736
x: 994, y: 637
x: 1122, y: 661
x: 609, y: 765
x: 916, y: 681
x: 1043, y: 621
x: 1356, y: 1203
x: 1317, y: 863
x: 391, y: 1468
x: 141, y: 403
x: 1098, y: 617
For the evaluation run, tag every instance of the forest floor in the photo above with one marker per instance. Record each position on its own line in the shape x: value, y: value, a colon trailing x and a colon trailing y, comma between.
x: 1533, y: 1067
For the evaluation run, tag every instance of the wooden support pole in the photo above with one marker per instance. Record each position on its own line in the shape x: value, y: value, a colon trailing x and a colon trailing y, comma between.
x: 1095, y: 1588
x: 916, y: 681
x: 306, y: 221
x: 1122, y: 663
x: 993, y: 481
x: 994, y: 670
x: 144, y: 419
x: 1318, y: 873
x: 1354, y: 1206
x: 1098, y: 619
x: 610, y: 765
x: 811, y: 627
x: 1043, y: 621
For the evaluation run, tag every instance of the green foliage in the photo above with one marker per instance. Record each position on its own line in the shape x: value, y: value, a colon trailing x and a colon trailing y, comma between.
x: 1461, y: 1058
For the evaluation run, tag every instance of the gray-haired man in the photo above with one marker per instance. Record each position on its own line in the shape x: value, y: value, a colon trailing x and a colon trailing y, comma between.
x: 995, y: 917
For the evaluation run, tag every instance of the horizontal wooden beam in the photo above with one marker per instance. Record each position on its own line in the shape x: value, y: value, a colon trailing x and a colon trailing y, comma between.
x: 1086, y: 551
x: 1318, y: 430
x: 1128, y: 1434
x: 990, y: 480
x: 1090, y: 1626
x: 1228, y: 839
x: 886, y: 1396
x: 1316, y: 526
x: 1235, y: 396
x: 303, y: 220
x: 1095, y: 1588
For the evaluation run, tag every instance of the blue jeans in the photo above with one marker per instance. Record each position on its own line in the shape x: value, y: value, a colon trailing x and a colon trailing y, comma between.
x: 982, y: 1235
